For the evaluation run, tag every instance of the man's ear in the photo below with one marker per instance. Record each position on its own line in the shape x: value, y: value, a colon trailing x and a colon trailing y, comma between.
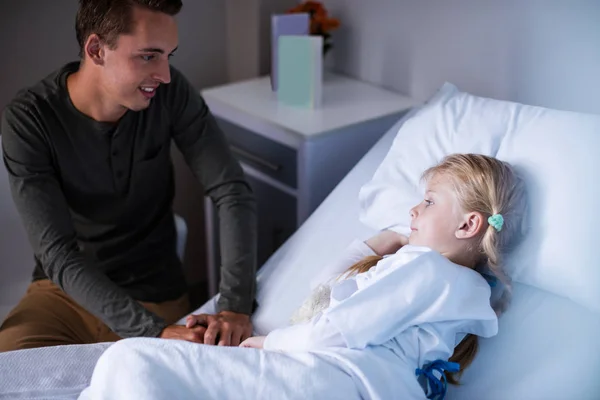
x: 94, y: 49
x: 470, y: 225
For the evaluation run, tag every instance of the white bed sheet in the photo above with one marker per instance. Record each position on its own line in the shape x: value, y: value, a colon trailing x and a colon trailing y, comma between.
x: 546, y: 349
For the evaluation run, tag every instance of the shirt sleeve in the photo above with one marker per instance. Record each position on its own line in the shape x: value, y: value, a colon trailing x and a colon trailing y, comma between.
x: 318, y: 333
x: 207, y: 152
x: 43, y: 209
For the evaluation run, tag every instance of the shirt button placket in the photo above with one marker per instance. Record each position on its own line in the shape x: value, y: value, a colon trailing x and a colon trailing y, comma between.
x: 117, y: 164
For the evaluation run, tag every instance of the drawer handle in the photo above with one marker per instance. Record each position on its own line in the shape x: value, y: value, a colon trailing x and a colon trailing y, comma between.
x: 255, y: 158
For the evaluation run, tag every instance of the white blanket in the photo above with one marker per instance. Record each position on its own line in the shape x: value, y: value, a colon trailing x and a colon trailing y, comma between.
x: 146, y: 368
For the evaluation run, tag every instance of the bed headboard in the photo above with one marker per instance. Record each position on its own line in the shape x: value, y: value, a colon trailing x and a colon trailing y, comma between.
x: 543, y: 53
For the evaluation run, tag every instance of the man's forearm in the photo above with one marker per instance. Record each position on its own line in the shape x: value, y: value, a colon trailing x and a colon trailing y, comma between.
x: 207, y: 152
x: 66, y: 266
x: 237, y: 219
x: 92, y: 290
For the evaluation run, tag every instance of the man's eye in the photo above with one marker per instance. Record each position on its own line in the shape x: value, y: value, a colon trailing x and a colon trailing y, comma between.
x: 147, y: 58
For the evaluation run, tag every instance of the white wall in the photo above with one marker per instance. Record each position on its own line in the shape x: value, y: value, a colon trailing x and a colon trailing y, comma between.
x: 540, y: 52
x: 37, y: 37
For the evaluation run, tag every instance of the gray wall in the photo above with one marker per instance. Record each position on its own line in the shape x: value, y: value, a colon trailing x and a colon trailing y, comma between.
x: 249, y: 35
x: 38, y: 36
x: 540, y: 52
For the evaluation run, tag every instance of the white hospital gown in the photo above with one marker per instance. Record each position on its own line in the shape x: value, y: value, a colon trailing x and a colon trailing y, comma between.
x: 379, y: 326
x: 412, y: 308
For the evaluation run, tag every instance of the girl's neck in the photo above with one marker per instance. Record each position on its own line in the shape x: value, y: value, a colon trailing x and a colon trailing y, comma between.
x: 464, y: 258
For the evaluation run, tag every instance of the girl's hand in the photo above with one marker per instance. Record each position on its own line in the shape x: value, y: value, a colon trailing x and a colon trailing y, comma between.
x: 255, y: 342
x: 387, y: 242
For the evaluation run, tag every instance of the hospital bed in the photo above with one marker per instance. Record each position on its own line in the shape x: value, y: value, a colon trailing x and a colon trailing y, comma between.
x: 547, y: 347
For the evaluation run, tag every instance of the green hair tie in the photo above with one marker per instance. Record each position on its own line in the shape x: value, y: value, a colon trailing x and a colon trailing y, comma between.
x: 496, y: 220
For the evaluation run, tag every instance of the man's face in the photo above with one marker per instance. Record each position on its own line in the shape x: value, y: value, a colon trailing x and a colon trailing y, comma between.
x: 139, y: 63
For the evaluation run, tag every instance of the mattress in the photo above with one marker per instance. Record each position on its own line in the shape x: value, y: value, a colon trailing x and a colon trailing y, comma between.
x: 51, y: 373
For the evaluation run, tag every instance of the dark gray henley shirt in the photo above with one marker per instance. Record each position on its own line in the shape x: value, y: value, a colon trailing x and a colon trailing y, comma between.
x: 96, y: 199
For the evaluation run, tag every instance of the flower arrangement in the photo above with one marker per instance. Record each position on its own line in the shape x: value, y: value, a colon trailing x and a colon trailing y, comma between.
x: 320, y: 22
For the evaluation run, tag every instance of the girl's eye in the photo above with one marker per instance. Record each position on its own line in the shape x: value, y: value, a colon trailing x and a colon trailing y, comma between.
x: 428, y: 203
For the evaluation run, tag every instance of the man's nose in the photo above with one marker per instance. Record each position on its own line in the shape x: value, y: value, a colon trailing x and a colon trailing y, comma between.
x: 163, y: 74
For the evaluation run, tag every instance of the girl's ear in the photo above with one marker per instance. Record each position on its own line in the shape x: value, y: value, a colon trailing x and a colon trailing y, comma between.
x: 470, y: 225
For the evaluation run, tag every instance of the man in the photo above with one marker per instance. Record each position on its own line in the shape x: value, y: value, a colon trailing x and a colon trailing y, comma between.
x: 87, y: 153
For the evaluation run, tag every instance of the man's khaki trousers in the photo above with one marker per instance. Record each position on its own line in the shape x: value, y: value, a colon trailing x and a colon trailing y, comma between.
x: 46, y: 316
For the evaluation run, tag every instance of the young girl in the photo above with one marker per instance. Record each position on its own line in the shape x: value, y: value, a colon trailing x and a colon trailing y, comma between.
x: 396, y: 324
x: 472, y: 214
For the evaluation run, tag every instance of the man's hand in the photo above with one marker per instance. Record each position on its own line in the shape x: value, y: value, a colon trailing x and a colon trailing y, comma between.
x: 229, y: 328
x: 255, y: 342
x: 180, y: 332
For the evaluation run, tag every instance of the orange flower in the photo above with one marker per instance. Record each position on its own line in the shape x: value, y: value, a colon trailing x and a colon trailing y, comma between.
x: 314, y: 8
x: 320, y: 23
x: 330, y: 24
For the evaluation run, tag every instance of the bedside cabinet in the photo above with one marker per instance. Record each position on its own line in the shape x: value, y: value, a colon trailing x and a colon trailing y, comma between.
x: 294, y: 157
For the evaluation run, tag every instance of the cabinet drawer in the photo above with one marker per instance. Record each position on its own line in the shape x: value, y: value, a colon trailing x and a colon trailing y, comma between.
x: 271, y: 158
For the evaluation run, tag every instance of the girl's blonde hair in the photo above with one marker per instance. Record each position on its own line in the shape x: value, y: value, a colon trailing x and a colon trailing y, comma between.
x: 489, y: 186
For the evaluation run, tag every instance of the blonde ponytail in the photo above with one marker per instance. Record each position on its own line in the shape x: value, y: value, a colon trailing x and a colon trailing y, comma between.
x: 493, y: 266
x: 361, y: 266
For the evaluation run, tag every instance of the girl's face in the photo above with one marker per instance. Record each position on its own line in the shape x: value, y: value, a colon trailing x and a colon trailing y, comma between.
x: 436, y: 220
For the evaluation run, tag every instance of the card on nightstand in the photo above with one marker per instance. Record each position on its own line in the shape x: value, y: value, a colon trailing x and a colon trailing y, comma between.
x: 300, y: 70
x: 286, y: 24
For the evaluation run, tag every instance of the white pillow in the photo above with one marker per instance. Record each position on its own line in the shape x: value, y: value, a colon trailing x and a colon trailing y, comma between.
x: 557, y: 152
x: 450, y: 122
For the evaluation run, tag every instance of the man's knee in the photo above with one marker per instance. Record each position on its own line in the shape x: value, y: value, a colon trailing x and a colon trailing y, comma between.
x: 15, y: 336
x: 40, y: 320
x: 18, y: 333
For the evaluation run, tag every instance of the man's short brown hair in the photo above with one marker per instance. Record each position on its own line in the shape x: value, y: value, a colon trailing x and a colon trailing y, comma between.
x: 111, y: 18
